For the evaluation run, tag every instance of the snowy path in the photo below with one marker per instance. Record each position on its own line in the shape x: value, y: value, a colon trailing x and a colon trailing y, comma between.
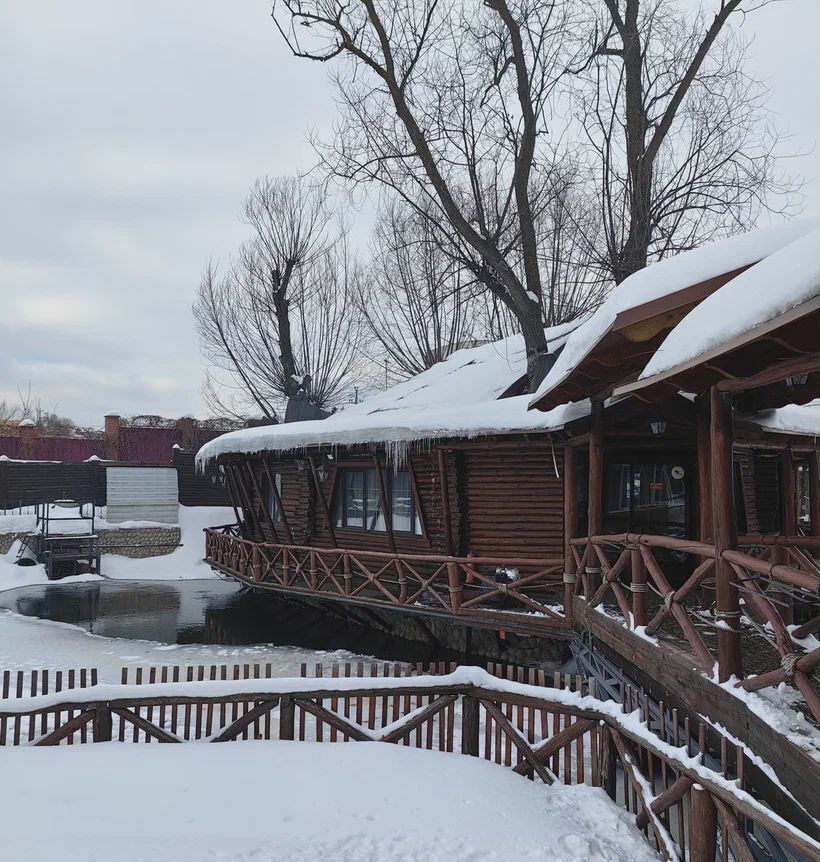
x: 260, y: 802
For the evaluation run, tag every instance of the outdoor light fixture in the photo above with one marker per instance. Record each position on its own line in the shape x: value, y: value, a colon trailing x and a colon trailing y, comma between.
x: 796, y: 380
x: 300, y: 464
x: 657, y: 427
x: 322, y: 473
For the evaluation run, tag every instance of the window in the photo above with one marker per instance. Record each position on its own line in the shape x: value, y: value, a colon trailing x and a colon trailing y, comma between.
x: 271, y: 499
x: 646, y: 496
x: 358, y: 501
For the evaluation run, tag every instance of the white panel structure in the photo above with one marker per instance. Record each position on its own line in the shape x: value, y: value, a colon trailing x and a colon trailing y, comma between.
x: 142, y: 494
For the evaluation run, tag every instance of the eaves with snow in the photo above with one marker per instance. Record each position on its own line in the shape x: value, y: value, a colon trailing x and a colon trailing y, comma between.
x: 736, y: 261
x: 461, y: 397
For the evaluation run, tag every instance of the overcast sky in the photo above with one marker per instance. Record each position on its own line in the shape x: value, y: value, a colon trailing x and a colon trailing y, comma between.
x: 129, y: 134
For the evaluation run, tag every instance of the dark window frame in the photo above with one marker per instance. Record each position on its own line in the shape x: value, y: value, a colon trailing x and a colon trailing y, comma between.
x: 271, y: 500
x: 368, y: 474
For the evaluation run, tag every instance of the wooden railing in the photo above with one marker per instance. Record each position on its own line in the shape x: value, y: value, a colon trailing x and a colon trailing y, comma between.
x: 516, y: 594
x: 545, y: 734
x: 627, y: 566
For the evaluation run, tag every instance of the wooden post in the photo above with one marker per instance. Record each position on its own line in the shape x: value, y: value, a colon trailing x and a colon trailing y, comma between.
x: 570, y: 529
x: 788, y: 527
x: 702, y: 825
x: 102, y: 723
x: 609, y: 763
x: 256, y: 563
x: 454, y: 582
x: 639, y: 587
x: 445, y: 502
x: 388, y: 521
x: 287, y: 712
x: 264, y: 503
x: 595, y: 509
x: 320, y: 496
x: 469, y: 725
x: 814, y: 492
x: 278, y: 496
x: 247, y: 504
x: 706, y: 591
x: 724, y: 527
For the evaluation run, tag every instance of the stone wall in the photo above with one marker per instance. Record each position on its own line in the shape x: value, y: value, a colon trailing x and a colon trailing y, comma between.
x: 8, y: 539
x: 134, y: 542
x: 139, y: 542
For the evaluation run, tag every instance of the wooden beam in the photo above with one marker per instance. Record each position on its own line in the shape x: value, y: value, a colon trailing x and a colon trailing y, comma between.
x: 388, y: 521
x: 265, y: 508
x: 320, y: 496
x: 445, y: 502
x: 777, y: 373
x: 417, y: 497
x: 278, y: 496
x: 570, y: 528
x: 595, y: 511
x: 724, y: 527
x: 788, y: 527
x: 814, y: 492
x: 247, y: 506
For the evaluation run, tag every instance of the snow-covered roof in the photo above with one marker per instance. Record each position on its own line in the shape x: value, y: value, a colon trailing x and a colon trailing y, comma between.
x: 665, y: 277
x: 782, y: 281
x: 791, y: 419
x: 455, y: 398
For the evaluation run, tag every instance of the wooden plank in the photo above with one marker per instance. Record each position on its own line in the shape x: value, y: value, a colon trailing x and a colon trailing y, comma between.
x: 148, y: 727
x: 236, y: 727
x: 67, y: 729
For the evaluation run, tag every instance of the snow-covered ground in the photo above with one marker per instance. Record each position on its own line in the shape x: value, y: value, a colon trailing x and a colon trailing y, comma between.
x: 183, y: 563
x: 266, y: 801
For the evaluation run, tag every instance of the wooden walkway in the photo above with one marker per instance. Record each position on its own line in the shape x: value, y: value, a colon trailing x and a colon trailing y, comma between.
x: 543, y: 733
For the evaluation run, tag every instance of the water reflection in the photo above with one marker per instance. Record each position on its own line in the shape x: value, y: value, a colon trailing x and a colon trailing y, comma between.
x: 208, y: 612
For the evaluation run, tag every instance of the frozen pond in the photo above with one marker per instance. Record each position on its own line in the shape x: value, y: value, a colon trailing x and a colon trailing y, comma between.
x: 111, y: 624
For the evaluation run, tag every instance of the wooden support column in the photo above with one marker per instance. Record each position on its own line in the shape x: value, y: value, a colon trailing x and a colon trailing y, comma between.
x: 320, y: 498
x: 235, y: 503
x: 788, y: 527
x: 388, y: 521
x: 247, y: 505
x: 445, y: 502
x: 570, y: 529
x: 639, y: 587
x: 265, y: 508
x: 470, y: 725
x: 724, y: 528
x: 595, y: 509
x: 287, y: 714
x: 707, y: 587
x: 278, y: 496
x: 814, y: 492
x: 702, y: 825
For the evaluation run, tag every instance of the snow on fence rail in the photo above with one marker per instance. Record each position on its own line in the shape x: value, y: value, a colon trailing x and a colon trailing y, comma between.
x: 542, y: 732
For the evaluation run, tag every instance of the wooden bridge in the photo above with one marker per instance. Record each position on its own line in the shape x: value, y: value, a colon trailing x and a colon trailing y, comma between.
x: 688, y: 803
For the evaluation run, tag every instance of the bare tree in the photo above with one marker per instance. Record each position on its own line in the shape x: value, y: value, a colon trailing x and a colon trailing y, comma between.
x: 683, y: 149
x: 446, y: 104
x: 279, y: 321
x: 413, y: 296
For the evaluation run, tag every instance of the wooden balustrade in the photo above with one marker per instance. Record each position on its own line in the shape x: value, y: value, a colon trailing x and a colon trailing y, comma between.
x: 545, y: 734
x: 629, y: 565
x: 514, y: 593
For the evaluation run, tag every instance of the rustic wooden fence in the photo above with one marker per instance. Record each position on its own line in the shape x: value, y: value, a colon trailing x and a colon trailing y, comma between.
x: 771, y: 584
x: 516, y: 594
x: 540, y: 730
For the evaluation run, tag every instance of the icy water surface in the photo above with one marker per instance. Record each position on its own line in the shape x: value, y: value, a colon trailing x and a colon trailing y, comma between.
x: 106, y: 624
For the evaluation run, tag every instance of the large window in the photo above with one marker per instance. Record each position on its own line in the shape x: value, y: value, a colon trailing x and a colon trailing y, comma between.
x: 358, y: 501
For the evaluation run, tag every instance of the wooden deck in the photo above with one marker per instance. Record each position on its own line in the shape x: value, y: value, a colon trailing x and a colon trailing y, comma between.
x: 520, y: 595
x: 539, y: 732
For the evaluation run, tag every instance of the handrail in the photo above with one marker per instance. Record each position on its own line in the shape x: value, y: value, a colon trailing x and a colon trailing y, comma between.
x: 415, y: 558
